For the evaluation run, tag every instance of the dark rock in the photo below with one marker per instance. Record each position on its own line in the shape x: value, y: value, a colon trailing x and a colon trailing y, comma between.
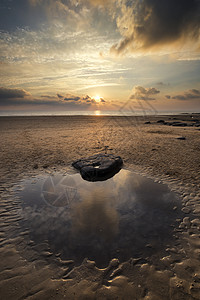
x: 147, y: 122
x: 98, y: 167
x: 35, y: 166
x: 196, y: 120
x: 45, y: 166
x: 161, y: 121
x: 179, y: 124
x: 181, y: 138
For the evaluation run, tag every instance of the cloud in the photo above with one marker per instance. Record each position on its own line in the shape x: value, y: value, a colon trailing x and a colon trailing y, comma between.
x: 150, y: 24
x: 72, y: 98
x: 160, y: 83
x: 12, y: 93
x: 84, y: 99
x: 20, y: 97
x: 88, y: 99
x: 142, y: 24
x: 188, y: 95
x: 141, y: 93
x: 60, y: 96
x: 102, y: 3
x: 49, y: 97
x: 96, y: 209
x: 70, y: 12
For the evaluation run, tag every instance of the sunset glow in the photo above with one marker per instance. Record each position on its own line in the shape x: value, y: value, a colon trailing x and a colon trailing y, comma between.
x: 59, y: 56
x: 97, y: 99
x: 97, y: 113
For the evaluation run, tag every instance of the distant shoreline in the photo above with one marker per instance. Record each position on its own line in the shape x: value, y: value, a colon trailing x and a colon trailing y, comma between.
x: 92, y: 114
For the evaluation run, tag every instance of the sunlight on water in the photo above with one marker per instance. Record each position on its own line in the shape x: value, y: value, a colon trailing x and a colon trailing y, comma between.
x: 97, y: 113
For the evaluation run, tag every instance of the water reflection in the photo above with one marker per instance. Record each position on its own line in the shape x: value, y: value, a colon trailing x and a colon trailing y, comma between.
x: 99, y: 220
x: 95, y: 217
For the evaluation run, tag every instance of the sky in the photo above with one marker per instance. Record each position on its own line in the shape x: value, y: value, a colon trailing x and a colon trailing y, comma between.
x: 62, y: 56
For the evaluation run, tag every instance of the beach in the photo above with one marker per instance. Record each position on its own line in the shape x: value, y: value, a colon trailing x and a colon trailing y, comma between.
x: 163, y: 148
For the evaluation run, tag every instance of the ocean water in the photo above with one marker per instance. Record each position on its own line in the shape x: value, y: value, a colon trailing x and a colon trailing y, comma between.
x: 94, y: 113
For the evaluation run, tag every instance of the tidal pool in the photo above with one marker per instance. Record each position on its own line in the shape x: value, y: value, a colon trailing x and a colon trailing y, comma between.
x: 125, y: 216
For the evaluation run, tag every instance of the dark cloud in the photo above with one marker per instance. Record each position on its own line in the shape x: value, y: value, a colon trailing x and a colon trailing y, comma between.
x: 29, y: 101
x: 49, y: 97
x: 188, y: 95
x: 148, y: 24
x: 18, y: 97
x: 143, y: 24
x: 160, y: 83
x: 12, y: 93
x: 72, y: 98
x: 141, y: 93
x: 35, y: 102
x: 60, y: 96
x: 87, y: 98
x: 83, y: 99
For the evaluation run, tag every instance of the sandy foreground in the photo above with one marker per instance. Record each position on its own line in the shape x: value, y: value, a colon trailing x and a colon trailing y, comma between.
x: 43, y: 145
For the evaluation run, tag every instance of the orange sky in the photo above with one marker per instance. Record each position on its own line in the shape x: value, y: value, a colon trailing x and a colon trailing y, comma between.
x: 72, y: 55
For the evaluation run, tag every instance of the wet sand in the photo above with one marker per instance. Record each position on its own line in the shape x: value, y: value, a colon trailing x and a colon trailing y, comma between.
x: 42, y: 145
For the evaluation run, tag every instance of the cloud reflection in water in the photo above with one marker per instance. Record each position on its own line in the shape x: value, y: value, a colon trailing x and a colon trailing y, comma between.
x: 114, y: 218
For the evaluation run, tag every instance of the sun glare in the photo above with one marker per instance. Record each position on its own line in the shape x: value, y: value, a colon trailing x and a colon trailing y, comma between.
x: 97, y: 98
x: 97, y: 113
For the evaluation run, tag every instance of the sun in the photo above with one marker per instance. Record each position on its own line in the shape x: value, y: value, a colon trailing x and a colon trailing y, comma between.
x: 97, y: 98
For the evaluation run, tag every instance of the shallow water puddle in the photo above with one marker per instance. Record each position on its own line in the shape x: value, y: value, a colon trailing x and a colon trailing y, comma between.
x: 126, y: 216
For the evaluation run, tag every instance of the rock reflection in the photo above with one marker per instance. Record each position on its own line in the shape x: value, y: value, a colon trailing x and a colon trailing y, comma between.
x: 126, y: 216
